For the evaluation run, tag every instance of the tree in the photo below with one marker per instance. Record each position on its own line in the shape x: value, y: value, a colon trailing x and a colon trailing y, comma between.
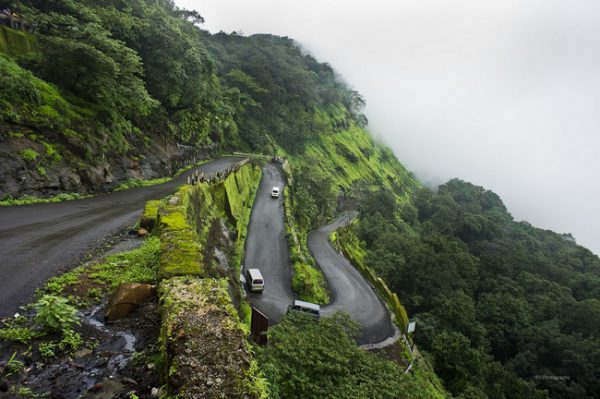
x: 307, y: 359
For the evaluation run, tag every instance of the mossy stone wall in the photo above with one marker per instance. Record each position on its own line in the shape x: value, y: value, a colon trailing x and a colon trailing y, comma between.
x: 203, y: 343
x: 205, y: 353
x: 181, y: 253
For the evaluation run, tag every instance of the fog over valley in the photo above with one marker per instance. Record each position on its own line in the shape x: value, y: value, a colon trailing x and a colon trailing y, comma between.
x: 503, y: 94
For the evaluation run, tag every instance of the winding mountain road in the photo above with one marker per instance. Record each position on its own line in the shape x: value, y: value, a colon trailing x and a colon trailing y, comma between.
x: 38, y: 241
x: 350, y: 291
x: 267, y: 250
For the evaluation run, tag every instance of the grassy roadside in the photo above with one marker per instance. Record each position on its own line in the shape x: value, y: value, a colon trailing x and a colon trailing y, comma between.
x: 308, y: 281
x: 31, y: 199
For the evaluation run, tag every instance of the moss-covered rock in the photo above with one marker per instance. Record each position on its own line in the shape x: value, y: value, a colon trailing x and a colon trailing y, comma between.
x: 149, y: 216
x: 185, y: 222
x: 180, y: 250
x: 204, y: 347
x: 205, y: 353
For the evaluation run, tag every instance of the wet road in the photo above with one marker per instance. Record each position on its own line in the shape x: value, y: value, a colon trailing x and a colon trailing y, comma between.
x: 38, y: 241
x: 350, y: 291
x: 267, y: 250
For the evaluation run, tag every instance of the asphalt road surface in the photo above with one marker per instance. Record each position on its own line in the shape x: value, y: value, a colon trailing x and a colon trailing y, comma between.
x: 267, y: 248
x: 38, y: 241
x: 350, y: 291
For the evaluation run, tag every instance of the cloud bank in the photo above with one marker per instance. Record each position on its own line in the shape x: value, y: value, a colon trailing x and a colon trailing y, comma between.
x: 502, y: 94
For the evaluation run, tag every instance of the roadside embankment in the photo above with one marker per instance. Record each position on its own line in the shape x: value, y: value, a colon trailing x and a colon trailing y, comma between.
x: 203, y: 347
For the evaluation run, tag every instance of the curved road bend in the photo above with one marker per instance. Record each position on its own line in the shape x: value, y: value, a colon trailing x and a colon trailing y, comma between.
x: 38, y: 241
x: 267, y: 248
x: 350, y: 291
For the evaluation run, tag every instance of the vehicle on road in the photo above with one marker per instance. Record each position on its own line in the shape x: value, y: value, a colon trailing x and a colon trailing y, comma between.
x: 275, y: 192
x: 311, y: 309
x: 255, y: 280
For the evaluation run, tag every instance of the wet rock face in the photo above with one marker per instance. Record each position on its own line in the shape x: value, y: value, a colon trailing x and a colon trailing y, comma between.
x: 126, y: 297
x: 68, y: 171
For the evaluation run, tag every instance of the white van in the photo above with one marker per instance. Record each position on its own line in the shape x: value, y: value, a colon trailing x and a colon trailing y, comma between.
x: 255, y: 280
x: 311, y: 309
x: 275, y: 192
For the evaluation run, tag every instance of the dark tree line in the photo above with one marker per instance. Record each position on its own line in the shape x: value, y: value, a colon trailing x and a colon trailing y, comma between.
x: 506, y: 310
x: 138, y: 66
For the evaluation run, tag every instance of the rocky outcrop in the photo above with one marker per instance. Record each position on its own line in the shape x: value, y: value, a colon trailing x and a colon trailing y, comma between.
x: 34, y: 165
x: 126, y: 297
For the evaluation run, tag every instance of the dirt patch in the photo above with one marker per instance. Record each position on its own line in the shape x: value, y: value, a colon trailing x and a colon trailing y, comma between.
x: 394, y: 352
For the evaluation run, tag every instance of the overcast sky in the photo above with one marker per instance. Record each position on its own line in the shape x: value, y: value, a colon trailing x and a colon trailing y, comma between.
x: 505, y: 94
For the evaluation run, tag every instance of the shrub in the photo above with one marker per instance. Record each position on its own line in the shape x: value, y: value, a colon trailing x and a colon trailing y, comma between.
x: 54, y: 313
x: 29, y: 155
x: 17, y: 334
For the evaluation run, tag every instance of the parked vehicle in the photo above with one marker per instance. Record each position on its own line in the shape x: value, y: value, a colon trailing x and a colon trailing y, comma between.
x: 275, y: 192
x: 311, y: 309
x: 255, y: 280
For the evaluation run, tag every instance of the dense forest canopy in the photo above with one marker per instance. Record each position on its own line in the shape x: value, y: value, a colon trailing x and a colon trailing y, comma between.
x: 144, y: 65
x: 505, y: 309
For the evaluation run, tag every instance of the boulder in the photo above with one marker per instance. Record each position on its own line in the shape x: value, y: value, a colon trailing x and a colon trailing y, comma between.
x: 126, y: 297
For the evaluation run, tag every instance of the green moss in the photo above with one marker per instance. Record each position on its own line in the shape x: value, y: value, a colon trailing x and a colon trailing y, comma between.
x: 231, y: 198
x: 149, y: 215
x: 29, y: 154
x: 16, y: 42
x: 202, y: 335
x: 132, y: 183
x: 29, y: 199
x: 51, y: 151
x: 180, y: 250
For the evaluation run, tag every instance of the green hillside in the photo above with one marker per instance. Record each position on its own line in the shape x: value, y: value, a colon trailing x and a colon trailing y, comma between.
x: 504, y: 309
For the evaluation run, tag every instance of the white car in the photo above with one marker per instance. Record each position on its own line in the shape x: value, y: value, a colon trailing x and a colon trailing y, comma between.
x: 275, y: 192
x: 255, y: 280
x: 311, y: 309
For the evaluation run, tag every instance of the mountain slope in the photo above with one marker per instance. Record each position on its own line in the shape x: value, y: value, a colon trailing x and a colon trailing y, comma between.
x: 104, y: 91
x: 504, y: 309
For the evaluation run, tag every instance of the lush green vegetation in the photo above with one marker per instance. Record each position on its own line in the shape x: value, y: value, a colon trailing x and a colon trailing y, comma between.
x: 30, y: 199
x: 132, y: 183
x: 53, y: 325
x: 504, y: 309
x: 306, y: 359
